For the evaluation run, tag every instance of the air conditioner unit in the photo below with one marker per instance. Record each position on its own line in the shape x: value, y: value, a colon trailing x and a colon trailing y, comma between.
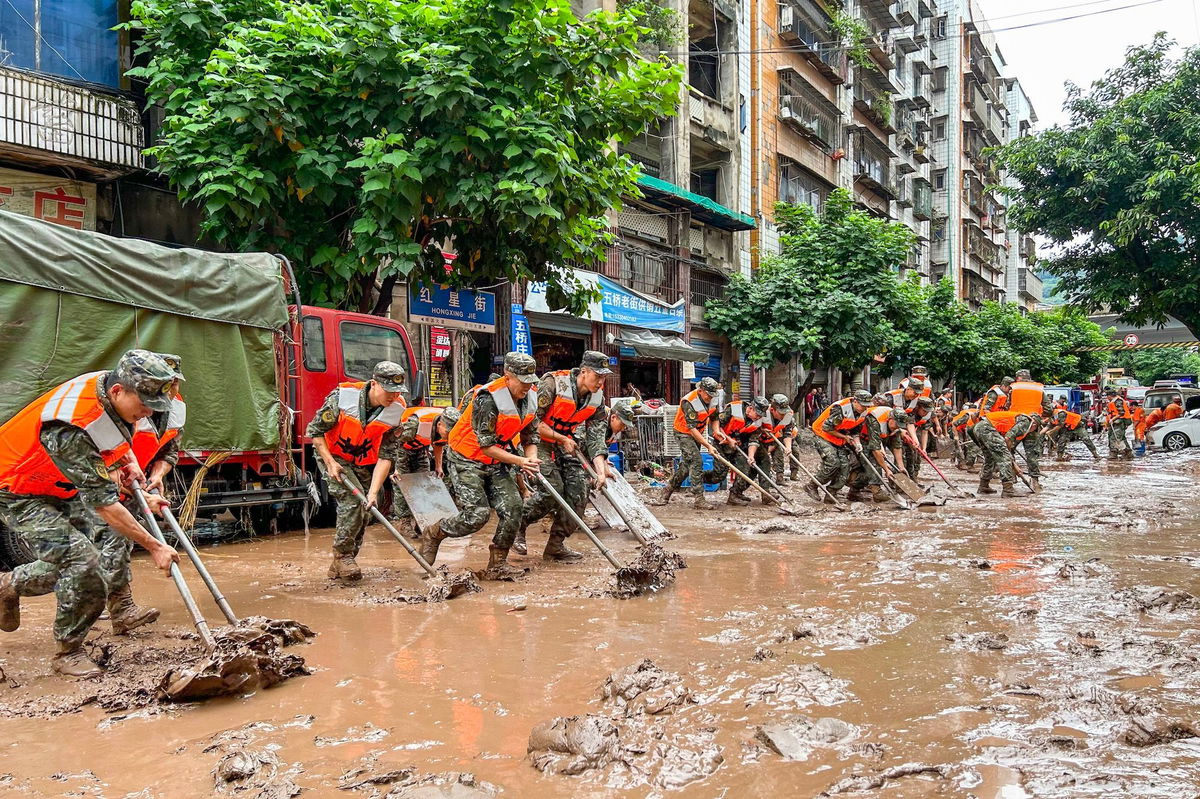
x: 787, y: 16
x: 786, y: 112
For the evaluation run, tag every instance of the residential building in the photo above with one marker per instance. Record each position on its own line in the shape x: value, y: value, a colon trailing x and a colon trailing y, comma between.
x: 1023, y: 281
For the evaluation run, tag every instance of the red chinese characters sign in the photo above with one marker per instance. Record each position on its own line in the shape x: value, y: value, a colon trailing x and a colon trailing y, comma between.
x: 439, y: 344
x: 70, y: 203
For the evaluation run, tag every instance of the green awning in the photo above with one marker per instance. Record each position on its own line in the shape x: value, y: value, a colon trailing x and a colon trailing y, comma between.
x: 703, y: 209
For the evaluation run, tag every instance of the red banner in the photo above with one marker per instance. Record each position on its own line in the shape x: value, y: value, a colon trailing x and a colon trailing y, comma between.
x: 439, y: 344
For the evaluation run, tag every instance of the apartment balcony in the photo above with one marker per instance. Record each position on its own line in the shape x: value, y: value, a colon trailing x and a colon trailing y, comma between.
x: 805, y: 25
x: 808, y: 118
x: 881, y: 10
x: 904, y: 194
x: 875, y: 102
x: 711, y: 120
x: 882, y: 49
x: 872, y: 166
x: 921, y: 154
x: 905, y: 12
x: 1029, y: 284
x: 1028, y: 248
x: 922, y: 199
x: 47, y: 121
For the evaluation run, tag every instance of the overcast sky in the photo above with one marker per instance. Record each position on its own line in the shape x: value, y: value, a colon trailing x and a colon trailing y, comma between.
x: 1079, y: 50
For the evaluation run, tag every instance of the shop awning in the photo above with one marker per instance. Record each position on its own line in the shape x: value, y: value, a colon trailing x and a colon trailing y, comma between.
x: 703, y: 209
x: 649, y: 344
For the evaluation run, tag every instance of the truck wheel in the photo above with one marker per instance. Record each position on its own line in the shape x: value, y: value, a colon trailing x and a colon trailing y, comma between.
x: 13, y: 551
x: 1176, y: 441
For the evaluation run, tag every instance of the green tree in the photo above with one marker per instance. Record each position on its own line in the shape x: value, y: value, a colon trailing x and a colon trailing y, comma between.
x: 934, y: 329
x: 360, y: 138
x: 1117, y: 189
x: 1150, y: 365
x: 829, y: 296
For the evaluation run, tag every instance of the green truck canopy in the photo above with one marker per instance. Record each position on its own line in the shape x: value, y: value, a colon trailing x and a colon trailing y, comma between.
x: 72, y: 301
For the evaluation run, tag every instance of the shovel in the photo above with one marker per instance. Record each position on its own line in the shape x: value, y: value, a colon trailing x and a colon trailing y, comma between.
x: 765, y: 494
x: 807, y: 473
x: 766, y: 477
x: 1017, y: 470
x: 866, y: 462
x: 452, y: 585
x: 613, y: 501
x: 654, y: 568
x: 958, y: 492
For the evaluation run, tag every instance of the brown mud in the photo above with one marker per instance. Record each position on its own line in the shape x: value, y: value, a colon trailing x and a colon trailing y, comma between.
x: 1041, y: 646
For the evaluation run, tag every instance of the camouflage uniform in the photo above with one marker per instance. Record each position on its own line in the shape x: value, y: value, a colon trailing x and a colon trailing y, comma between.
x: 561, y: 470
x: 1031, y: 446
x: 860, y: 476
x: 481, y: 486
x: 997, y: 456
x: 351, y: 515
x: 1064, y: 435
x: 1118, y: 444
x: 834, y: 470
x: 691, y: 465
x: 734, y: 452
x: 410, y: 461
x: 779, y: 459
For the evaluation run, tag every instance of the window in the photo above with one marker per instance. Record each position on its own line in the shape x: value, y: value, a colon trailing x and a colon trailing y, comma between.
x: 704, y: 183
x: 312, y: 332
x: 707, y: 286
x: 939, y: 180
x: 77, y: 40
x: 940, y: 76
x: 939, y: 130
x: 800, y: 187
x: 939, y: 30
x: 364, y: 345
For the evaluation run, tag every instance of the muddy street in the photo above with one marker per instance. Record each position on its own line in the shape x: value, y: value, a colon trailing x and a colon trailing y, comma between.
x: 1040, y: 646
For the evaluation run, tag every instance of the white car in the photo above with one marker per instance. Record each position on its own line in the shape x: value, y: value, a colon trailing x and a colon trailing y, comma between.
x: 1176, y: 434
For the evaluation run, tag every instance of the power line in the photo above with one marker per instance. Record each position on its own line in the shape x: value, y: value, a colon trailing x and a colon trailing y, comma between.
x: 38, y: 33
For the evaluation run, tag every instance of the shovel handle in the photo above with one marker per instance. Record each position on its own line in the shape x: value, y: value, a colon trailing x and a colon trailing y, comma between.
x: 765, y: 477
x: 186, y: 543
x: 925, y: 456
x: 807, y: 473
x: 562, y: 503
x: 184, y: 592
x: 387, y: 525
x: 712, y: 450
x: 587, y: 467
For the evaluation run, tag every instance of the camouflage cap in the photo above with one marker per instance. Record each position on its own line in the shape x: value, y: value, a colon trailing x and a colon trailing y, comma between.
x: 1023, y: 374
x: 623, y: 410
x: 762, y: 403
x: 1004, y: 381
x: 175, y: 362
x: 901, y: 417
x: 862, y: 395
x: 916, y: 384
x: 780, y: 402
x: 521, y: 366
x: 149, y: 375
x: 919, y: 370
x: 881, y: 399
x: 450, y: 416
x: 710, y: 385
x: 596, y: 361
x: 924, y: 402
x: 389, y: 376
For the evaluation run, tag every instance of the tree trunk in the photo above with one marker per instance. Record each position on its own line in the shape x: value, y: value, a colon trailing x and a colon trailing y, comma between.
x: 386, y: 290
x: 366, y: 288
x: 804, y: 390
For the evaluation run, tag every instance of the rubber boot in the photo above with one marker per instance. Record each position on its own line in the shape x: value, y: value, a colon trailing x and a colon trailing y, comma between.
x: 985, y: 487
x: 664, y: 497
x: 498, y: 567
x: 737, y: 499
x: 557, y: 549
x: 10, y: 604
x: 407, y: 526
x: 344, y: 567
x: 126, y: 615
x: 878, y: 494
x: 811, y: 489
x: 519, y: 542
x: 1010, y: 490
x: 431, y: 540
x: 1036, y: 484
x: 72, y: 661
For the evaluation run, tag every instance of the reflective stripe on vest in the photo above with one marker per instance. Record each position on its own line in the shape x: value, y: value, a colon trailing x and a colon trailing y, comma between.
x: 1000, y: 403
x: 147, y: 442
x: 777, y: 428
x: 1025, y: 396
x: 897, y: 395
x: 849, y: 422
x: 737, y: 424
x: 350, y: 439
x: 563, y: 416
x: 26, y: 467
x: 426, y: 420
x: 509, y: 422
x: 925, y: 392
x: 703, y: 412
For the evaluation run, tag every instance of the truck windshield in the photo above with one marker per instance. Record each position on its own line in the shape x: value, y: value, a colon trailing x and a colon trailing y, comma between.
x: 1156, y: 401
x: 364, y: 345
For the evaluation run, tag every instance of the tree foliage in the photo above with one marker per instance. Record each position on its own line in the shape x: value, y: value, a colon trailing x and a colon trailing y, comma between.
x: 1150, y: 365
x: 824, y: 299
x: 359, y: 138
x: 1117, y: 188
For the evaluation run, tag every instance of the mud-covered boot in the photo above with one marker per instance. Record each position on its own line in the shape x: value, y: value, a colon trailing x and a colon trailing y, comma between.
x: 498, y: 567
x: 1035, y: 484
x: 878, y: 494
x: 985, y: 487
x: 519, y: 542
x: 663, y: 497
x: 72, y: 661
x: 1010, y: 490
x: 810, y: 488
x: 737, y: 499
x: 854, y: 495
x: 557, y: 549
x: 10, y: 604
x: 344, y: 567
x: 701, y: 502
x: 407, y: 526
x: 126, y: 615
x: 431, y: 539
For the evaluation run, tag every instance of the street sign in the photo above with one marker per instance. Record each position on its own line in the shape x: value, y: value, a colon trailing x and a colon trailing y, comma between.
x: 1131, y: 340
x: 453, y: 308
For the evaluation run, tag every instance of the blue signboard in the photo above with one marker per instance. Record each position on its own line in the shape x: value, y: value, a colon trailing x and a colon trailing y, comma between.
x: 520, y: 340
x: 456, y: 308
x: 618, y: 305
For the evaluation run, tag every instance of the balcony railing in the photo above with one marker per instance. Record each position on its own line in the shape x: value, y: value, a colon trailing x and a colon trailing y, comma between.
x: 76, y: 125
x: 872, y: 166
x: 875, y: 102
x: 804, y: 115
x: 1030, y: 284
x: 804, y: 24
x: 922, y: 199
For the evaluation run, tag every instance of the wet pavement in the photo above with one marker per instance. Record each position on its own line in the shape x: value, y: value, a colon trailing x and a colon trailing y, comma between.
x: 1040, y: 646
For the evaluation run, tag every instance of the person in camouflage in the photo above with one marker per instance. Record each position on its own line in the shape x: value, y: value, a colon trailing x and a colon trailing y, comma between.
x: 1119, y: 417
x: 836, y: 430
x: 960, y: 426
x: 997, y: 435
x: 500, y: 417
x: 738, y: 427
x: 422, y: 438
x: 58, y: 455
x: 780, y: 422
x: 695, y: 417
x: 920, y: 419
x: 356, y: 438
x: 1068, y: 427
x: 1031, y: 449
x: 570, y: 406
x: 868, y: 466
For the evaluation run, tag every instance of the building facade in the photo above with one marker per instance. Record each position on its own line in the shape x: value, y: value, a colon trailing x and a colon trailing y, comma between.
x: 1023, y: 281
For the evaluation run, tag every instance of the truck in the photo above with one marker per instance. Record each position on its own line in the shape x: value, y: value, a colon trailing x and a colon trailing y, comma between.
x: 258, y: 362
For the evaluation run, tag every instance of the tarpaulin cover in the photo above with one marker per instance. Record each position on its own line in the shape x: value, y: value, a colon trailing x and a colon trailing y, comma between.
x: 72, y: 301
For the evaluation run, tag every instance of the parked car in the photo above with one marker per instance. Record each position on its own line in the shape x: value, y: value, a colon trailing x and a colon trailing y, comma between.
x: 1176, y: 434
x: 1160, y: 397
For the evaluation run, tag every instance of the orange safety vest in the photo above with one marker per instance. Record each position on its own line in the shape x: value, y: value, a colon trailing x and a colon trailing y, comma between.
x: 26, y: 467
x: 883, y: 415
x: 849, y: 422
x: 1073, y: 420
x: 426, y: 421
x: 1001, y: 400
x: 563, y: 416
x: 897, y: 395
x: 147, y: 442
x: 1172, y: 411
x: 1113, y: 413
x: 703, y: 412
x: 350, y: 439
x: 925, y: 392
x: 738, y: 424
x: 466, y: 398
x: 776, y: 428
x: 1003, y: 421
x: 965, y: 419
x: 509, y: 422
x: 1025, y: 396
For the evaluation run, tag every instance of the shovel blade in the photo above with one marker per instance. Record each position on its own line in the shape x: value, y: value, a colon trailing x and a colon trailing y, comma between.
x: 623, y: 493
x: 910, y: 489
x: 607, y: 512
x: 427, y: 497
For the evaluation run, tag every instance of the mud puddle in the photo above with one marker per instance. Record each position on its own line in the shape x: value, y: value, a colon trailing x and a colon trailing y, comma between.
x: 1042, y: 646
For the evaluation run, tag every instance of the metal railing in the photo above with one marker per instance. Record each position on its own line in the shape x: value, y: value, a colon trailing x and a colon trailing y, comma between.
x: 807, y: 115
